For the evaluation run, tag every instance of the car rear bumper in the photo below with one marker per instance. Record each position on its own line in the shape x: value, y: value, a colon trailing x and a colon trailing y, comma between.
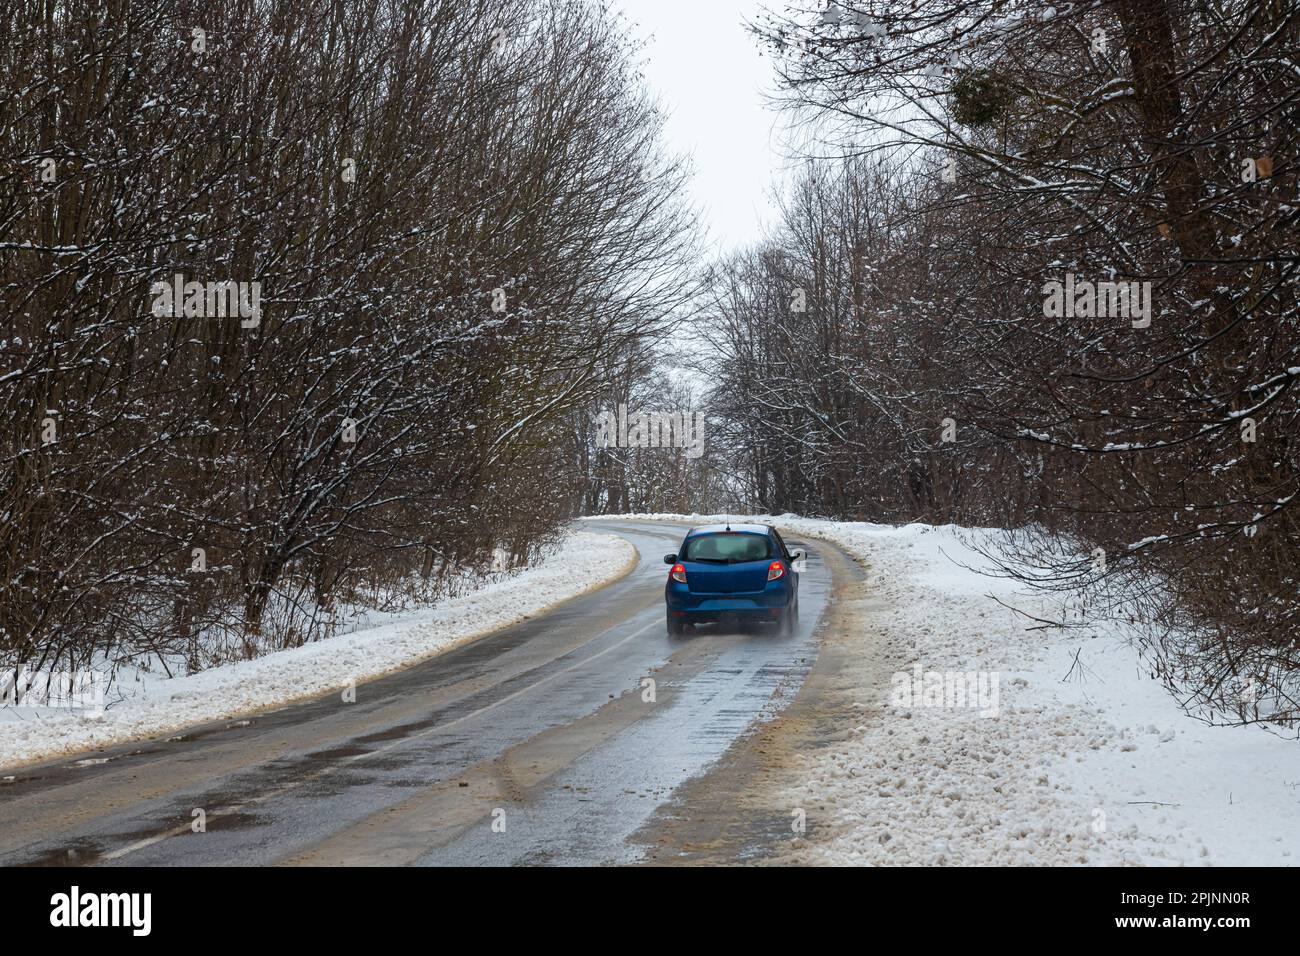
x: 705, y: 607
x: 727, y: 615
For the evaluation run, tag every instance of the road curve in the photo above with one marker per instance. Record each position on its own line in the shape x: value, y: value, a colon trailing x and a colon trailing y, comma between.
x: 535, y: 745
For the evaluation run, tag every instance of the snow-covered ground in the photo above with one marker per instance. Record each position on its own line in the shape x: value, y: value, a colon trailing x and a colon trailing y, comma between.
x: 1087, y: 761
x: 150, y: 708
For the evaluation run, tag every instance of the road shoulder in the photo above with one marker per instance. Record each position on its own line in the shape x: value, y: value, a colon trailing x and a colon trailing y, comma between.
x: 587, y: 562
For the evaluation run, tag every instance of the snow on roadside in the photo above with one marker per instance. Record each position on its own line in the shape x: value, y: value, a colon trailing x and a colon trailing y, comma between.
x: 583, y: 562
x: 1085, y: 763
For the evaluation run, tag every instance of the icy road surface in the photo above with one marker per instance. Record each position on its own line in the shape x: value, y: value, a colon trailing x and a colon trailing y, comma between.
x: 533, y: 745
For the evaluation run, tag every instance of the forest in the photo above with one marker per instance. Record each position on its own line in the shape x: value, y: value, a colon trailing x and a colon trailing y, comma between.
x: 898, y: 350
x: 1035, y: 271
x: 460, y: 229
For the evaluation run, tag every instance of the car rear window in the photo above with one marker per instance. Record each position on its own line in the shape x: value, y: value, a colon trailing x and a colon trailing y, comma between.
x: 730, y: 547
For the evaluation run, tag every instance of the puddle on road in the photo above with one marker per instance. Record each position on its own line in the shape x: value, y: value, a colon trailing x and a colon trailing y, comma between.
x: 15, y: 781
x: 236, y: 820
x: 399, y: 732
x: 81, y: 852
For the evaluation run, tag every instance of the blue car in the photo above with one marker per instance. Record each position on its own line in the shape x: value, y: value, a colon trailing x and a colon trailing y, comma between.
x: 740, y: 572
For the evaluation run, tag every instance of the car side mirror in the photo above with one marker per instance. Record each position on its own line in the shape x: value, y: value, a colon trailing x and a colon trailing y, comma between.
x: 797, y: 554
x: 670, y: 559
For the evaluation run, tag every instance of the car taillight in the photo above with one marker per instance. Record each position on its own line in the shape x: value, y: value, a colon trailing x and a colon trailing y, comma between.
x: 678, y: 573
x: 775, y: 570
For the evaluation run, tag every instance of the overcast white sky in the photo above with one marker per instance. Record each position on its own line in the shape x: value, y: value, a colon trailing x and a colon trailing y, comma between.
x: 708, y: 75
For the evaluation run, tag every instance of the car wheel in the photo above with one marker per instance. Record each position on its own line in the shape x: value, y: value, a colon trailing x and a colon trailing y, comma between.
x: 676, y: 627
x: 785, y: 623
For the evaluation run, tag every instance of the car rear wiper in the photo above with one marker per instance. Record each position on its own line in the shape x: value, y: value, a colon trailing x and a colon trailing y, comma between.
x: 711, y: 560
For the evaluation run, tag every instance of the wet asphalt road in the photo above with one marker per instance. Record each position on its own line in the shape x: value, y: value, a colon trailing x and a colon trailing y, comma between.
x: 532, y: 746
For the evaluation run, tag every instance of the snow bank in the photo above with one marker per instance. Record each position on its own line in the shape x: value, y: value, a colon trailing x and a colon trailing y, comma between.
x: 584, y: 562
x: 1088, y: 761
